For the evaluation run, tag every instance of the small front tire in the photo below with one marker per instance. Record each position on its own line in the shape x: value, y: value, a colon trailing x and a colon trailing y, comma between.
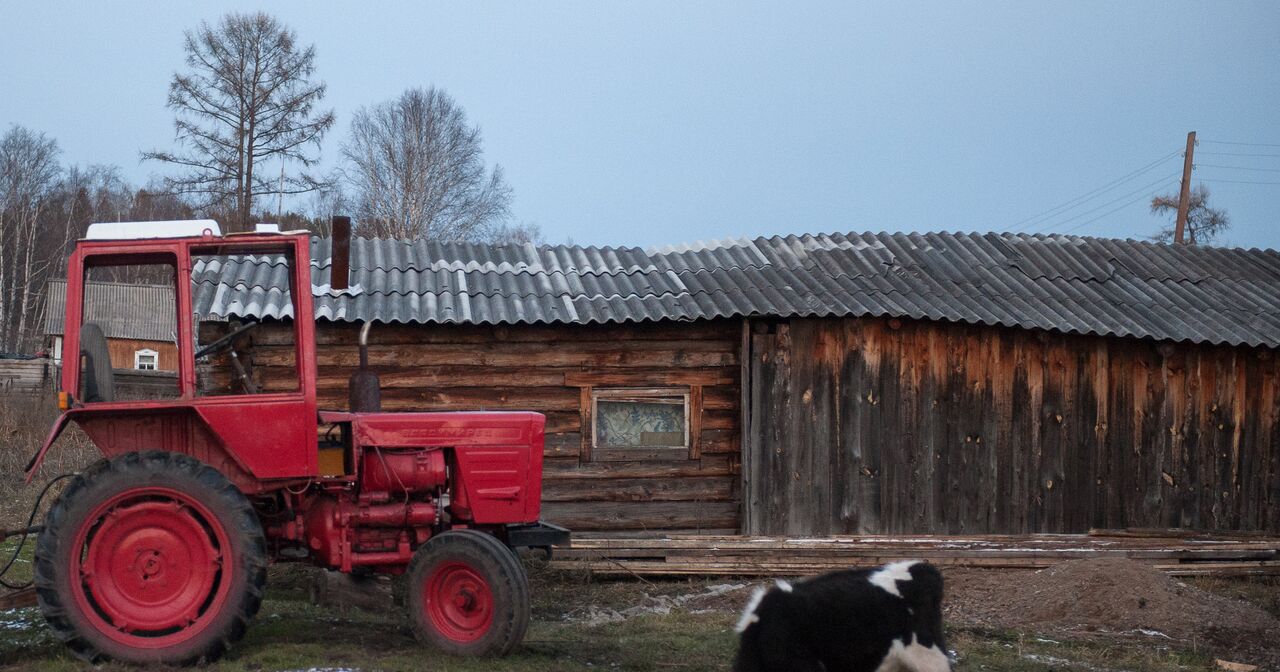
x: 468, y: 595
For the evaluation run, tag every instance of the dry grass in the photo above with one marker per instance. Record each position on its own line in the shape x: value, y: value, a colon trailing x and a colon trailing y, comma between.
x: 24, y: 422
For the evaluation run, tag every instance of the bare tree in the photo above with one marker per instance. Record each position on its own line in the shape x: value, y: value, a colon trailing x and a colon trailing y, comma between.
x: 29, y: 170
x: 323, y: 205
x: 1204, y: 223
x: 416, y: 170
x: 517, y: 234
x: 248, y: 98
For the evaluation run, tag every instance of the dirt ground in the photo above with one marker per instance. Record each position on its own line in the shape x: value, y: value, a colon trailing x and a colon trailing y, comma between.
x: 1092, y: 616
x: 1116, y: 599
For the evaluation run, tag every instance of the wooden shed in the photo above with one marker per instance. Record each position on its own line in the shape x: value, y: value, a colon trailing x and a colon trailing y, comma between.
x: 138, y: 321
x: 828, y: 384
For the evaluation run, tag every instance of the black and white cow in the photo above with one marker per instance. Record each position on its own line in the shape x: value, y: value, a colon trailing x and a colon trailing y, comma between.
x: 872, y: 620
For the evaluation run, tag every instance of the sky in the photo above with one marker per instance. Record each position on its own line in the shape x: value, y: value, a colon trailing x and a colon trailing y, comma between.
x: 663, y: 123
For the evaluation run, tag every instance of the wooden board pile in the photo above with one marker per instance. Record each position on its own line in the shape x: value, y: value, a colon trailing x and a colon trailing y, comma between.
x: 1180, y: 555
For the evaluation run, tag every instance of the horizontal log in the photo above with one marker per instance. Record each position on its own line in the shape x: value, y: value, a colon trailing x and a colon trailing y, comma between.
x: 655, y: 453
x: 531, y: 374
x: 333, y: 382
x: 557, y: 422
x: 704, y: 489
x: 489, y: 355
x: 347, y: 333
x: 563, y: 444
x: 709, y: 465
x: 473, y: 398
x: 719, y: 441
x: 651, y: 378
x: 640, y: 515
x: 720, y: 419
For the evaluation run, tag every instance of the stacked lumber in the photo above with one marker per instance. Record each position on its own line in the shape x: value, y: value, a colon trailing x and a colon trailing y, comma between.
x: 780, y: 556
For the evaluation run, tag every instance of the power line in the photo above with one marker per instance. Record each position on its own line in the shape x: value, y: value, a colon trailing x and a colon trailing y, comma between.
x: 1109, y: 212
x: 1067, y: 205
x: 1235, y: 154
x: 1142, y: 189
x: 1213, y: 180
x: 1256, y: 170
x: 1242, y: 144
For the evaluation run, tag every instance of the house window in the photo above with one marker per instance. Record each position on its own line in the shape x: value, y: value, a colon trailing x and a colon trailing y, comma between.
x: 145, y: 360
x: 640, y: 424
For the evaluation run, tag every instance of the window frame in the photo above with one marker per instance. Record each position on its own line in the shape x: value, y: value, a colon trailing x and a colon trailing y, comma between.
x: 601, y: 453
x: 146, y: 352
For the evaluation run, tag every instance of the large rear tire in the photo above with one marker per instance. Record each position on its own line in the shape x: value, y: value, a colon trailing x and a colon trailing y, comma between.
x: 468, y: 594
x: 150, y: 557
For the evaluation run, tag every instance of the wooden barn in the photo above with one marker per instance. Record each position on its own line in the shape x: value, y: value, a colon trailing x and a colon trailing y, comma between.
x: 827, y: 384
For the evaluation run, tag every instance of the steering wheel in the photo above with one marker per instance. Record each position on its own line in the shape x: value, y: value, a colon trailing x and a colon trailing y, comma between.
x: 226, y: 340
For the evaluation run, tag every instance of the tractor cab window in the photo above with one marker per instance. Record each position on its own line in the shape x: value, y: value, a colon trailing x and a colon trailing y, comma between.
x: 128, y: 333
x: 244, y: 308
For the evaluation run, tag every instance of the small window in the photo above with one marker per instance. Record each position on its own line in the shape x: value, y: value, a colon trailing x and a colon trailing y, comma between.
x: 650, y: 424
x: 145, y: 360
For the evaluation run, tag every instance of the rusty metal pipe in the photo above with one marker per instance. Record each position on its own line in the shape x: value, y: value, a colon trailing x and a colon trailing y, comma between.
x: 364, y: 393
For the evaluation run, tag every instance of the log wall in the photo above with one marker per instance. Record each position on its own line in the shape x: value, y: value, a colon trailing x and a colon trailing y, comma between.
x: 936, y: 428
x: 552, y: 370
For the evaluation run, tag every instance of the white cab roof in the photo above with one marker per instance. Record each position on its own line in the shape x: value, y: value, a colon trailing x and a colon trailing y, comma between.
x: 140, y: 230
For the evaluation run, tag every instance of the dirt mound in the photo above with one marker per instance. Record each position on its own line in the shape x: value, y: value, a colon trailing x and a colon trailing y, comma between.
x: 1109, y: 596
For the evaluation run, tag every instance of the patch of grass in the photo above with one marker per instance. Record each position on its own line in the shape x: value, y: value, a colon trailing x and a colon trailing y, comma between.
x: 293, y: 635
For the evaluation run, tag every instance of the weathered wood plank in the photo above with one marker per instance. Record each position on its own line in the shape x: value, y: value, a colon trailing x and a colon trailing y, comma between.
x: 959, y: 428
x: 700, y: 489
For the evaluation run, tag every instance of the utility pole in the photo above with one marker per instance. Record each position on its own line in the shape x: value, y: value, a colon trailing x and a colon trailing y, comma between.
x: 1184, y: 198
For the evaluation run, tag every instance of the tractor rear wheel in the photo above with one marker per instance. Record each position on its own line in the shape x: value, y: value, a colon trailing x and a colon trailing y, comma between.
x: 150, y: 557
x: 468, y: 594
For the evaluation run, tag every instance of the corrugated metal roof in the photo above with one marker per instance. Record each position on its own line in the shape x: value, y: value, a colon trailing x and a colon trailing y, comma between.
x: 143, y: 312
x: 1069, y: 284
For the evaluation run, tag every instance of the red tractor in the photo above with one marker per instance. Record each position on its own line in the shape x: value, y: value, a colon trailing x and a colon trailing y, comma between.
x: 158, y: 552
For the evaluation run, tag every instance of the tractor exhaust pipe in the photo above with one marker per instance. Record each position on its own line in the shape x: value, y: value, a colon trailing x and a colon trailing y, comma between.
x: 364, y: 393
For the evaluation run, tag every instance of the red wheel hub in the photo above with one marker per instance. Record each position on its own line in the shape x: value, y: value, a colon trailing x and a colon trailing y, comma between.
x: 458, y: 602
x: 153, y: 567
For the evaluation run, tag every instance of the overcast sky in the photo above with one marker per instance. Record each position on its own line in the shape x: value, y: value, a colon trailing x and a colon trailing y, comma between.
x: 648, y: 124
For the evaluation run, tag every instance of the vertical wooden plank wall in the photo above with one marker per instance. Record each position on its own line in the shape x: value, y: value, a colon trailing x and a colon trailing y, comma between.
x: 859, y: 427
x: 552, y: 369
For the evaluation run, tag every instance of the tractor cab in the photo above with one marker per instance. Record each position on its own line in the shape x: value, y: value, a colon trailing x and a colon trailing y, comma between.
x: 202, y: 394
x: 217, y: 460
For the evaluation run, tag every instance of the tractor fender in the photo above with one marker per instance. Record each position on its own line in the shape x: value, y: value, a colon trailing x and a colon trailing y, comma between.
x: 54, y: 432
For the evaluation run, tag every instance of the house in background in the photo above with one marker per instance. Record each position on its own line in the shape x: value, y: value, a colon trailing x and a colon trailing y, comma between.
x: 824, y: 384
x: 137, y: 319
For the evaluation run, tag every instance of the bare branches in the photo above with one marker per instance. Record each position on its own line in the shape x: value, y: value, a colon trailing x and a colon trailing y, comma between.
x: 416, y: 170
x: 29, y: 170
x: 1204, y: 223
x: 248, y: 98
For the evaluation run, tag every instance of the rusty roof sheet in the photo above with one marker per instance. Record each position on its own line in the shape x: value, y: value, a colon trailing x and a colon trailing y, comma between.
x: 1070, y: 284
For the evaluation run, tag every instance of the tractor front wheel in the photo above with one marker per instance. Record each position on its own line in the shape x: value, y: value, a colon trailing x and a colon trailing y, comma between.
x: 150, y: 557
x: 468, y: 594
